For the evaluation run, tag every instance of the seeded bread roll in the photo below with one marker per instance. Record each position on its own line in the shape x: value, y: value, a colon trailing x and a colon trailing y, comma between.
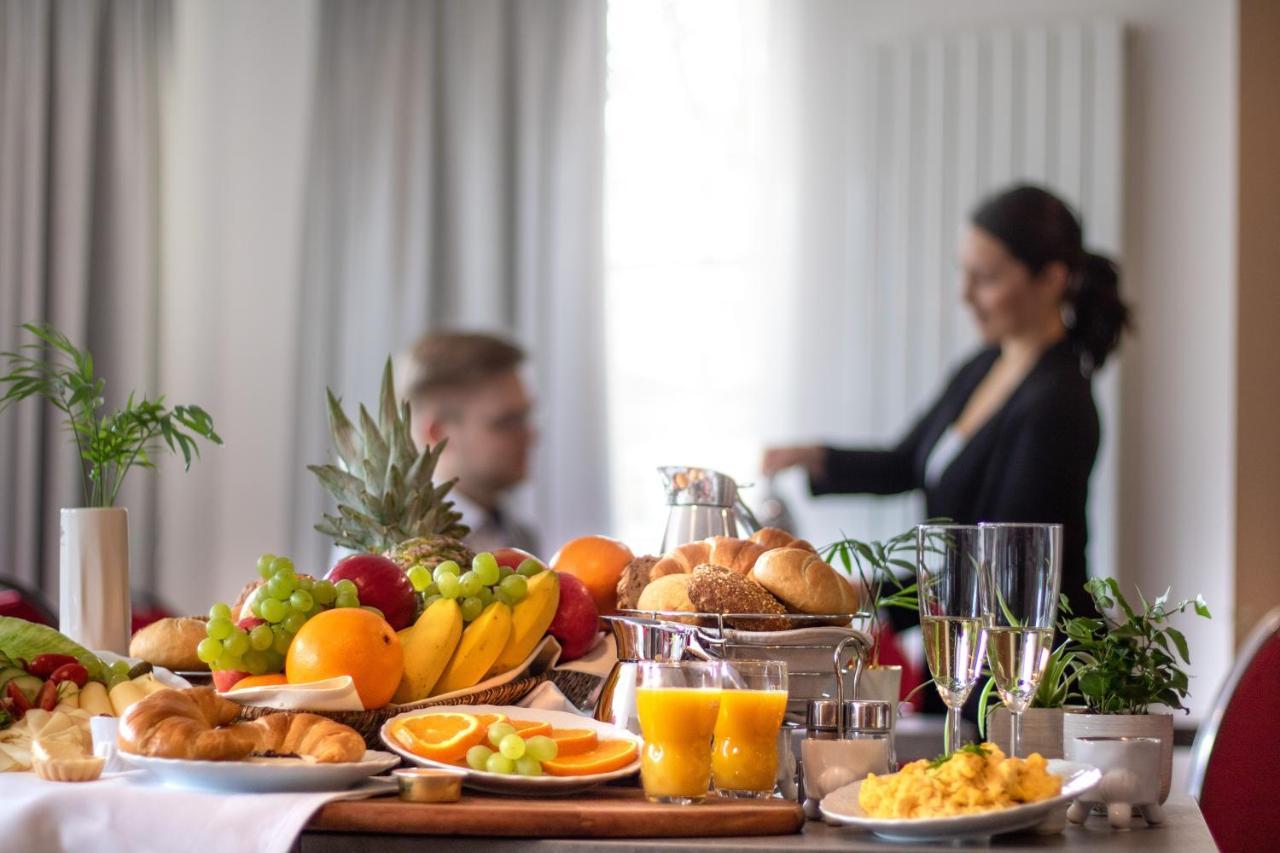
x: 714, y: 589
x: 634, y: 578
x: 804, y: 583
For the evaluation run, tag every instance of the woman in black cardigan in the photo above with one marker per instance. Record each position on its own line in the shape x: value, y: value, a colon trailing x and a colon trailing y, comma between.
x: 1015, y: 434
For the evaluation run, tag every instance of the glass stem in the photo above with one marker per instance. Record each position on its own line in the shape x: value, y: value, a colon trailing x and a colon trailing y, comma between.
x: 953, y: 730
x: 1015, y: 735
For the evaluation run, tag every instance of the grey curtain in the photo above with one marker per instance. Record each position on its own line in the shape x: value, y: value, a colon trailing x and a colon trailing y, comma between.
x: 455, y: 179
x: 79, y: 165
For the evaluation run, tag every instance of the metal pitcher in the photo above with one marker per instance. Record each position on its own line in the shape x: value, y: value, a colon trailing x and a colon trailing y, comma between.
x: 703, y: 503
x: 637, y: 640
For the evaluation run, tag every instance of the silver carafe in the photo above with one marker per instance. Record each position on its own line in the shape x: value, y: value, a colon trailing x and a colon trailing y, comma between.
x: 637, y: 640
x: 703, y: 503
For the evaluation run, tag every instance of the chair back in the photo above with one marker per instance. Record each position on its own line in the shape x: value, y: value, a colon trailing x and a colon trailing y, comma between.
x: 17, y: 600
x: 1236, y: 751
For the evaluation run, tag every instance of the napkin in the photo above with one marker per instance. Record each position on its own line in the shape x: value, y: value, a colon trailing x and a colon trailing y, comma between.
x: 328, y: 694
x: 125, y: 813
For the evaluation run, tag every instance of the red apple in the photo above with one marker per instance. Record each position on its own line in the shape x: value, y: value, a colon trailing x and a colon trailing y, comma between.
x: 225, y: 679
x: 380, y: 583
x: 248, y: 623
x: 576, y: 620
x: 513, y: 557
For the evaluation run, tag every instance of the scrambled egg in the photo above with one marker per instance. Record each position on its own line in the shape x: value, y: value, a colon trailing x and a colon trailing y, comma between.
x: 973, y: 779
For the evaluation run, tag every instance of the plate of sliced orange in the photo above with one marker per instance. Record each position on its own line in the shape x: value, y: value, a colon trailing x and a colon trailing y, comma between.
x: 511, y: 750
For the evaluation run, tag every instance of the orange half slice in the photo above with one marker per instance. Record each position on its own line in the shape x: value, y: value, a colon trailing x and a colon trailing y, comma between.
x: 444, y: 736
x: 608, y: 755
x: 574, y: 741
x: 528, y: 728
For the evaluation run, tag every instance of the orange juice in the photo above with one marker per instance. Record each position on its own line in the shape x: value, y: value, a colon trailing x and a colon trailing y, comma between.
x: 678, y: 724
x: 745, y: 757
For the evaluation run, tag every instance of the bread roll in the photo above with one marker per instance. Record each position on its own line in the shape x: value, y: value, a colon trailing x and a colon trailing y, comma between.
x: 738, y: 555
x: 803, y: 582
x: 171, y: 643
x: 633, y: 580
x: 715, y: 589
x: 682, y: 560
x: 669, y: 592
x: 775, y: 537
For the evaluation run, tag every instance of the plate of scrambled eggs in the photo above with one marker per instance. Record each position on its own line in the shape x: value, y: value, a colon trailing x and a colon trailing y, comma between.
x: 974, y: 792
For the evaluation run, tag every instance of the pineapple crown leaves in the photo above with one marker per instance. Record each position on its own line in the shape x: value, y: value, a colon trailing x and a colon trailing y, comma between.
x: 383, y: 484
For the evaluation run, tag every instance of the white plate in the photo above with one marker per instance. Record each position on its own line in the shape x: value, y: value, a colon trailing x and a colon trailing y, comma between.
x: 259, y: 775
x: 536, y: 786
x: 841, y: 807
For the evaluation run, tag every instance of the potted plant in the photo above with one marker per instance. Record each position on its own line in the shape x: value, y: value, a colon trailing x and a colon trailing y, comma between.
x: 94, y: 557
x: 1129, y: 675
x: 1042, y: 720
x: 889, y: 580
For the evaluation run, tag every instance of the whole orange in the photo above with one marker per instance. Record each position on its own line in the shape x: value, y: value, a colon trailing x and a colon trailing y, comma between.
x: 348, y: 641
x: 598, y: 562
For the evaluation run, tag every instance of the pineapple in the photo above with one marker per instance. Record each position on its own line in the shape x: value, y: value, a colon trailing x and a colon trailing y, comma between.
x: 387, y: 501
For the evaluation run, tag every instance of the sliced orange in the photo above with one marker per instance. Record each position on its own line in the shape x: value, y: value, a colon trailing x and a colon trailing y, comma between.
x: 487, y: 720
x: 260, y: 681
x: 444, y: 736
x: 528, y: 728
x: 608, y: 755
x: 574, y: 741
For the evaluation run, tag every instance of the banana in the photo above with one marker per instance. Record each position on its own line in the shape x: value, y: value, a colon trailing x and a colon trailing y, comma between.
x: 123, y: 695
x: 93, y: 698
x: 428, y: 647
x: 481, y: 643
x: 529, y: 620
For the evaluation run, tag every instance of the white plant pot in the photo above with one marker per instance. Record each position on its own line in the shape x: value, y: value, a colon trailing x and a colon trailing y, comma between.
x: 1041, y: 730
x: 1159, y: 726
x: 93, y: 597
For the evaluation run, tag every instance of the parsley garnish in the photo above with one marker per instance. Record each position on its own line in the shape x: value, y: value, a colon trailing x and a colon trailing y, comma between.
x: 971, y: 748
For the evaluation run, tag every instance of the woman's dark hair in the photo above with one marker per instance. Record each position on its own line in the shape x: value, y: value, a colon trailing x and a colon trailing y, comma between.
x: 1038, y: 228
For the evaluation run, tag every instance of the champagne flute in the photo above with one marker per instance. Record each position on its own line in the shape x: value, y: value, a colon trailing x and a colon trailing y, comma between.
x: 1025, y: 566
x: 952, y: 583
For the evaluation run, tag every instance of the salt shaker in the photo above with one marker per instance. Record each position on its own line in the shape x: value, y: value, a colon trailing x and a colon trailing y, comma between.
x: 844, y: 742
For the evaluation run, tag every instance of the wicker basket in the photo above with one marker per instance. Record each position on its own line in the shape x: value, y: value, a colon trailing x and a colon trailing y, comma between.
x: 369, y: 723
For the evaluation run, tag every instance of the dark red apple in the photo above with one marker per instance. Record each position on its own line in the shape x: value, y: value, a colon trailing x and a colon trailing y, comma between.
x: 225, y: 679
x: 513, y: 557
x: 380, y: 583
x: 576, y: 620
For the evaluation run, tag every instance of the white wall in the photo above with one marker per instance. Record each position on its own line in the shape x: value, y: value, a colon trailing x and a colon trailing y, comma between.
x: 233, y: 195
x: 1176, y: 441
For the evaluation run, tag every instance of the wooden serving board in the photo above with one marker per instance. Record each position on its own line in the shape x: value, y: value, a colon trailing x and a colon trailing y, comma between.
x: 604, y: 813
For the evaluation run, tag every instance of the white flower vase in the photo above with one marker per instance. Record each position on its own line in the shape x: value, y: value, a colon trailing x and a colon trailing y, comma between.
x: 93, y: 598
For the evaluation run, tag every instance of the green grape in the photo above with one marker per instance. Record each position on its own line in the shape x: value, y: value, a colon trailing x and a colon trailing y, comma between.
x: 280, y: 640
x: 281, y: 564
x: 431, y: 589
x: 237, y: 644
x: 273, y: 610
x: 450, y: 586
x: 208, y: 650
x: 261, y: 637
x: 505, y: 597
x: 478, y: 756
x: 255, y: 607
x: 504, y: 573
x: 450, y: 568
x: 255, y: 662
x: 430, y: 600
x: 485, y: 595
x: 471, y: 608
x: 226, y: 661
x: 281, y: 586
x: 301, y: 600
x: 324, y: 593
x: 306, y: 583
x: 374, y: 610
x: 529, y: 568
x: 219, y: 629
x: 515, y: 586
x: 345, y: 600
x: 470, y: 582
x: 420, y: 577
x: 528, y: 766
x: 542, y: 748
x: 220, y: 611
x: 512, y: 746
x: 348, y: 586
x: 264, y: 565
x: 500, y: 764
x: 486, y: 566
x: 294, y: 621
x: 442, y: 571
x: 275, y: 661
x: 120, y: 668
x: 497, y: 731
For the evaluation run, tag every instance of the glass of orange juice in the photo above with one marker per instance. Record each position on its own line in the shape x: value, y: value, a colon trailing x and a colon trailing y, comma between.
x: 677, y: 703
x: 753, y: 701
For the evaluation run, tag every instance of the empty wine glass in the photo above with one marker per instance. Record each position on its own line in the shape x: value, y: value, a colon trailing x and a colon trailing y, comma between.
x: 952, y: 587
x: 1025, y: 569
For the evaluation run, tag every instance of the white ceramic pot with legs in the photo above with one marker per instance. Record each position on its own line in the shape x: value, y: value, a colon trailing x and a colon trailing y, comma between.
x: 1157, y: 726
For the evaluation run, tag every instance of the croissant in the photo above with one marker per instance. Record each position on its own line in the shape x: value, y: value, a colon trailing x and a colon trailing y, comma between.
x: 775, y: 537
x: 738, y: 555
x: 198, y: 724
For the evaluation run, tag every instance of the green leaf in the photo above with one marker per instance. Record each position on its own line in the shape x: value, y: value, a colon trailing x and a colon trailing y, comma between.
x: 1181, y: 642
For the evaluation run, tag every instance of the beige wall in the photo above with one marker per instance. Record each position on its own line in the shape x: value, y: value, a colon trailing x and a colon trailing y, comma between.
x: 1257, y: 461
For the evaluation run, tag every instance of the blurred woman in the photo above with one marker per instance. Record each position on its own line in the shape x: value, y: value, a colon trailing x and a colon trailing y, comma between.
x: 1015, y: 434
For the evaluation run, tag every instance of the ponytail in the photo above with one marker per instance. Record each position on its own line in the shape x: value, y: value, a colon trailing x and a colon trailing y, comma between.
x: 1038, y: 229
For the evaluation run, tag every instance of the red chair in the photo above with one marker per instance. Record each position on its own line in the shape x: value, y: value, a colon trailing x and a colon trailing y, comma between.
x: 1236, y: 752
x: 17, y: 600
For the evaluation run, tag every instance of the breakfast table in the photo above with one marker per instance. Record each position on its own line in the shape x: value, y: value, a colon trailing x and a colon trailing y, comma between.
x: 1184, y: 831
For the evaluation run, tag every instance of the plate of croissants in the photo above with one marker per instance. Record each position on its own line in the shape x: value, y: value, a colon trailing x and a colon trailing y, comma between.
x: 192, y: 739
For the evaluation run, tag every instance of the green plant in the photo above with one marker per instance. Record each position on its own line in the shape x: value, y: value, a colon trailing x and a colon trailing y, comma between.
x: 888, y: 578
x: 1126, y: 656
x: 109, y: 444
